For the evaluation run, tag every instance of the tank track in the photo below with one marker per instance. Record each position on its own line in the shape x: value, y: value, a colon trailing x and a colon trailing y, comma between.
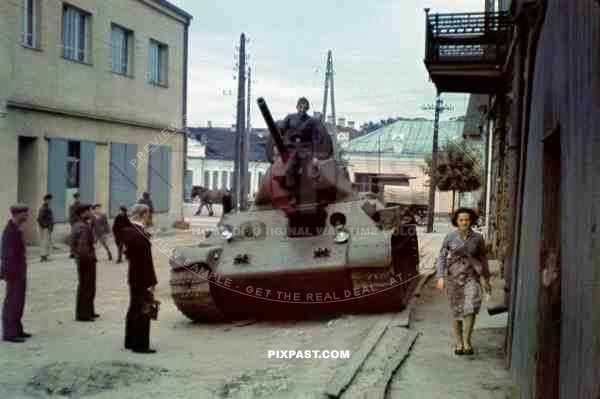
x: 191, y: 294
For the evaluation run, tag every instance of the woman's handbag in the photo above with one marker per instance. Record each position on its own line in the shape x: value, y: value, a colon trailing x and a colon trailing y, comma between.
x: 151, y: 307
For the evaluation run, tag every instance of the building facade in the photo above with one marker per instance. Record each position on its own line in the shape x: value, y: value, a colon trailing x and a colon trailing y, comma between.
x: 93, y: 101
x: 537, y: 65
x: 211, y: 158
x: 400, y: 149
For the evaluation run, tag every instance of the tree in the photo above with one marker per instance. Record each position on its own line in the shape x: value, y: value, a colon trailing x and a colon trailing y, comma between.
x: 459, y: 168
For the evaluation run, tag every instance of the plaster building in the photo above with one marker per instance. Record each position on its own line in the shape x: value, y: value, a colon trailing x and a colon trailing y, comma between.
x: 211, y: 158
x: 399, y: 150
x: 93, y: 100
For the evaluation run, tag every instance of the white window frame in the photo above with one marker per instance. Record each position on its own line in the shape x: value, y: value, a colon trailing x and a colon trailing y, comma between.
x: 30, y: 32
x: 116, y: 66
x: 79, y: 52
x: 158, y: 63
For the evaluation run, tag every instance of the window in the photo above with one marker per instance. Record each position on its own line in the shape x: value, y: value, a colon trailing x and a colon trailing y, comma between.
x: 206, y: 181
x: 75, y: 34
x: 224, y: 179
x: 158, y: 63
x: 121, y: 43
x: 31, y: 18
x: 215, y: 180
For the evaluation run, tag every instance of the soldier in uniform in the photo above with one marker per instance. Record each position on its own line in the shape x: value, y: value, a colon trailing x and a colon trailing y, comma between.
x: 101, y: 228
x: 82, y: 247
x: 14, y: 271
x: 301, y: 126
x: 45, y: 221
x: 121, y: 221
x: 73, y: 215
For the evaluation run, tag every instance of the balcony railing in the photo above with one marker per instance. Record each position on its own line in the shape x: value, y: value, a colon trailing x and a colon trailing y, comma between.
x: 468, y: 37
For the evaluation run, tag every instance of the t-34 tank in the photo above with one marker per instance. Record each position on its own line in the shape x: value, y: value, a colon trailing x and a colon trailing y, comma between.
x: 309, y: 245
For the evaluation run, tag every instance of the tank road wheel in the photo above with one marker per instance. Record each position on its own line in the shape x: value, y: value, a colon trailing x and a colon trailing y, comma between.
x: 191, y: 294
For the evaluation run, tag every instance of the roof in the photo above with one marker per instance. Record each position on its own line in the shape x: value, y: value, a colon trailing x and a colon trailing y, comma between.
x: 406, y: 137
x: 220, y: 143
x: 174, y: 8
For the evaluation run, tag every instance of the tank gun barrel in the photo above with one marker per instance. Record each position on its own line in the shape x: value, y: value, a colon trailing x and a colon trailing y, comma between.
x: 266, y: 113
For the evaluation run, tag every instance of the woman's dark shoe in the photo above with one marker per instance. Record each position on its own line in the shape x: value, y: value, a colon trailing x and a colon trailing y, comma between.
x: 469, y: 352
x: 24, y: 335
x: 459, y: 351
x: 85, y: 319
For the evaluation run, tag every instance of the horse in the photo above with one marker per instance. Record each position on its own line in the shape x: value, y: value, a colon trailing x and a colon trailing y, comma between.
x: 207, y: 198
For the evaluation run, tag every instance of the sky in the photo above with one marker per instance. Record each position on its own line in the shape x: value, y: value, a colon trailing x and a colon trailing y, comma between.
x: 377, y: 46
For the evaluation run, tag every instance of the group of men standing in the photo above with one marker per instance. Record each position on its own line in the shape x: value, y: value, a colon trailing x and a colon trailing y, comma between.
x: 88, y: 226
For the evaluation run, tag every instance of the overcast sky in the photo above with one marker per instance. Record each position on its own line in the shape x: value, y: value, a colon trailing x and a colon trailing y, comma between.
x: 377, y: 46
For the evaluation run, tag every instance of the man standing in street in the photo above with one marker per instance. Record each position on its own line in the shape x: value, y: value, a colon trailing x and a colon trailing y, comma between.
x: 45, y: 221
x: 82, y: 246
x: 101, y: 228
x: 121, y: 221
x: 145, y: 200
x: 14, y: 271
x: 73, y: 215
x: 141, y: 278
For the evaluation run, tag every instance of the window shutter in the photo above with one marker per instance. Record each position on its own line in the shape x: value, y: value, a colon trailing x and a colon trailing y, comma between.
x: 87, y: 172
x: 57, y: 176
x: 123, y: 176
x: 159, y: 177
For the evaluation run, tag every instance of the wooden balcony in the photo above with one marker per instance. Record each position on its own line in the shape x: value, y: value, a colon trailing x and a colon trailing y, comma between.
x: 466, y: 52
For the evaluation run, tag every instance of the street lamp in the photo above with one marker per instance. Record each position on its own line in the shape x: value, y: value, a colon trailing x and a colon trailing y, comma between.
x: 439, y: 107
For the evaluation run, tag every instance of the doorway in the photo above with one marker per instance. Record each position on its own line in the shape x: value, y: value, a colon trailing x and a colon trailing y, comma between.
x: 549, y: 299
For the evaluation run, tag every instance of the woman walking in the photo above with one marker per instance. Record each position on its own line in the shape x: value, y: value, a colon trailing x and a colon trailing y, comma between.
x: 461, y: 264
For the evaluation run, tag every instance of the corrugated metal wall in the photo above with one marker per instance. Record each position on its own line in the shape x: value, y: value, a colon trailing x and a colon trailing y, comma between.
x: 566, y: 91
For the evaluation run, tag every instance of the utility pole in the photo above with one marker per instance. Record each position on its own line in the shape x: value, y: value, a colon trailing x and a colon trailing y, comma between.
x: 240, y: 168
x: 330, y: 56
x: 439, y: 107
x: 327, y: 73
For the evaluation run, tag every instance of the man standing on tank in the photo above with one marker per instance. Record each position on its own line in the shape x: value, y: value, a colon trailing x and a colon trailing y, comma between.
x: 303, y: 123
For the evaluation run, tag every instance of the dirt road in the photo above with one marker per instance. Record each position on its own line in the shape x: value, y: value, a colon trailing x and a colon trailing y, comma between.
x: 70, y: 359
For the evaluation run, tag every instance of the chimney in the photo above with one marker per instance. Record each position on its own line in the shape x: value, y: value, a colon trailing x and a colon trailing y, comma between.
x: 209, y: 124
x: 342, y: 122
x: 330, y: 119
x: 351, y: 124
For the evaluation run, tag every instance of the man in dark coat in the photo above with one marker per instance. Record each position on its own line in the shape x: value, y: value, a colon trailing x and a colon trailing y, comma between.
x: 14, y: 271
x: 121, y: 221
x: 73, y: 215
x: 141, y: 279
x: 145, y: 200
x: 45, y: 221
x: 82, y: 246
x: 101, y: 229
